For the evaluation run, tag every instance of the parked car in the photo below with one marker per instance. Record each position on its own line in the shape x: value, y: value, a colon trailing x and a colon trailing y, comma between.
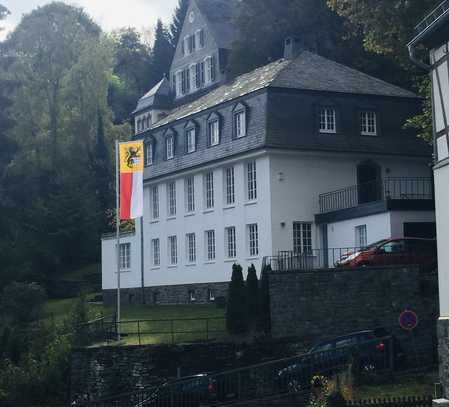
x: 402, y: 251
x: 370, y: 347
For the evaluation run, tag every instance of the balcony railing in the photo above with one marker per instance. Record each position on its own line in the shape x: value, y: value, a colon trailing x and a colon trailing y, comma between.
x: 392, y: 188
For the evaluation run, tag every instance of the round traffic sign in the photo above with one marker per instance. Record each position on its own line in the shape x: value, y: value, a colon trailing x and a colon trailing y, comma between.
x: 408, y: 320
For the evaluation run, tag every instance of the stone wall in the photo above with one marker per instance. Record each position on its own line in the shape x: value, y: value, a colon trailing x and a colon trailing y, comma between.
x: 168, y: 295
x: 443, y: 353
x: 106, y: 371
x: 327, y: 303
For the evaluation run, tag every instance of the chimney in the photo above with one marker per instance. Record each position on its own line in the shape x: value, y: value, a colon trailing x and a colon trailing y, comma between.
x: 293, y: 46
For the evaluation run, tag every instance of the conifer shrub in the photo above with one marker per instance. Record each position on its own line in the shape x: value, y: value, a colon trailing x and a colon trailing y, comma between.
x: 264, y: 320
x: 252, y: 295
x: 236, y: 310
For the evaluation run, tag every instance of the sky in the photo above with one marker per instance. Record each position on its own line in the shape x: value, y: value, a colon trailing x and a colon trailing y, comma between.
x: 109, y: 14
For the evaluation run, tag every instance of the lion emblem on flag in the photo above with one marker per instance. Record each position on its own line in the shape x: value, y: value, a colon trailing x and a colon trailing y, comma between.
x: 133, y: 156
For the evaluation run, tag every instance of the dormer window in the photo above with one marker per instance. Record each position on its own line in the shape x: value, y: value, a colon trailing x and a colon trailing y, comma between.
x: 239, y: 125
x: 190, y: 138
x: 327, y: 120
x: 368, y: 123
x: 148, y: 153
x: 213, y: 130
x: 170, y: 147
x: 199, y: 34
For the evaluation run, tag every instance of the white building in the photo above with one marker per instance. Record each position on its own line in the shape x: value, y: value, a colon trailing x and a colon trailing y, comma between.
x: 246, y: 168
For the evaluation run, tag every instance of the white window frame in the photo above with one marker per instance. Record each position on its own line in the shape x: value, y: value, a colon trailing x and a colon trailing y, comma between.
x: 251, y: 181
x: 170, y: 147
x: 210, y: 245
x: 191, y: 248
x: 191, y: 140
x: 190, y: 194
x: 178, y: 75
x: 213, y: 129
x: 209, y: 195
x: 229, y: 183
x: 172, y: 250
x: 148, y: 153
x: 186, y: 46
x: 361, y: 236
x: 125, y: 256
x: 240, y: 123
x: 252, y: 231
x: 230, y: 243
x: 171, y: 199
x: 208, y: 69
x: 302, y: 237
x: 328, y: 120
x: 154, y: 199
x: 156, y: 252
x: 368, y: 123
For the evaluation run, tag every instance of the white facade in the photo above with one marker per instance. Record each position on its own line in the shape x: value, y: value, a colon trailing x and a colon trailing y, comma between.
x: 288, y: 189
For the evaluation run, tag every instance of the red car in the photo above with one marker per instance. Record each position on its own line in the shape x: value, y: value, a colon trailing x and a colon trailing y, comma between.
x: 386, y: 252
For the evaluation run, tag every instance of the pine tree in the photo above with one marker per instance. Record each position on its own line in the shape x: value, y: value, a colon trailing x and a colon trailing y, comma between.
x: 162, y: 53
x: 236, y: 321
x: 178, y: 20
x: 252, y: 294
x: 264, y: 323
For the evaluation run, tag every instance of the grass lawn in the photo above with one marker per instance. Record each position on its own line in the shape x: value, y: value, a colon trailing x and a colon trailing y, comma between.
x: 152, y: 332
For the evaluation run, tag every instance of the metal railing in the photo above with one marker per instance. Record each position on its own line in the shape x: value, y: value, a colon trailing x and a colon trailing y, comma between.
x: 394, y: 188
x: 261, y: 380
x: 340, y: 258
x: 433, y: 16
x: 146, y: 331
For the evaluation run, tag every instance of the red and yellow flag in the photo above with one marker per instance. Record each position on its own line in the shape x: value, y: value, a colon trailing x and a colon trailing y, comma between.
x: 131, y: 179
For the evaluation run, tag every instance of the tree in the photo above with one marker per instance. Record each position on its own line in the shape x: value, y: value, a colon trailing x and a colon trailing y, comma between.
x: 132, y: 73
x: 264, y: 301
x: 4, y: 12
x: 252, y: 294
x: 162, y: 53
x: 387, y: 25
x: 178, y: 21
x: 236, y: 310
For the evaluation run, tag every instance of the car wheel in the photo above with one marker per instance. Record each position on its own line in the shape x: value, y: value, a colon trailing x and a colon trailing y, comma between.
x: 294, y: 386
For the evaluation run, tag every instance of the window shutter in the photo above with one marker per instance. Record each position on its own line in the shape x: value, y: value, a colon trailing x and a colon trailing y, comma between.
x: 187, y: 75
x: 193, y: 42
x: 202, y: 38
x: 202, y: 72
x: 183, y: 47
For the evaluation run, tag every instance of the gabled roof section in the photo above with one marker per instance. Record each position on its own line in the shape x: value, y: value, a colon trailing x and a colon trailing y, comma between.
x: 307, y: 72
x: 219, y: 14
x: 157, y: 97
x: 312, y: 72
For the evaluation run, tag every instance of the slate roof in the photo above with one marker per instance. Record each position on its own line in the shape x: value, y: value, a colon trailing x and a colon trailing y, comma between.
x: 220, y: 13
x: 158, y: 96
x: 307, y: 72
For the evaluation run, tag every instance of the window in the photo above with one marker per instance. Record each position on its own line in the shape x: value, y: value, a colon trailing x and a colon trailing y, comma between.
x: 190, y: 194
x: 200, y: 38
x: 172, y: 250
x: 209, y: 190
x: 191, y: 140
x: 191, y: 247
x: 240, y: 124
x: 302, y: 237
x: 125, y: 256
x: 210, y: 245
x: 191, y: 43
x: 185, y: 81
x: 231, y: 247
x: 230, y: 188
x: 193, y: 79
x: 252, y: 181
x: 210, y: 69
x: 149, y: 154
x: 156, y: 252
x: 186, y: 46
x: 327, y: 120
x: 213, y: 128
x: 360, y: 236
x: 200, y: 75
x: 171, y: 198
x: 368, y: 126
x: 170, y: 147
x: 178, y: 83
x: 253, y: 240
x: 155, y: 202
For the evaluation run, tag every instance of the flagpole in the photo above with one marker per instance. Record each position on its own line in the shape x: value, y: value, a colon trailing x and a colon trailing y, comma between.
x: 117, y: 221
